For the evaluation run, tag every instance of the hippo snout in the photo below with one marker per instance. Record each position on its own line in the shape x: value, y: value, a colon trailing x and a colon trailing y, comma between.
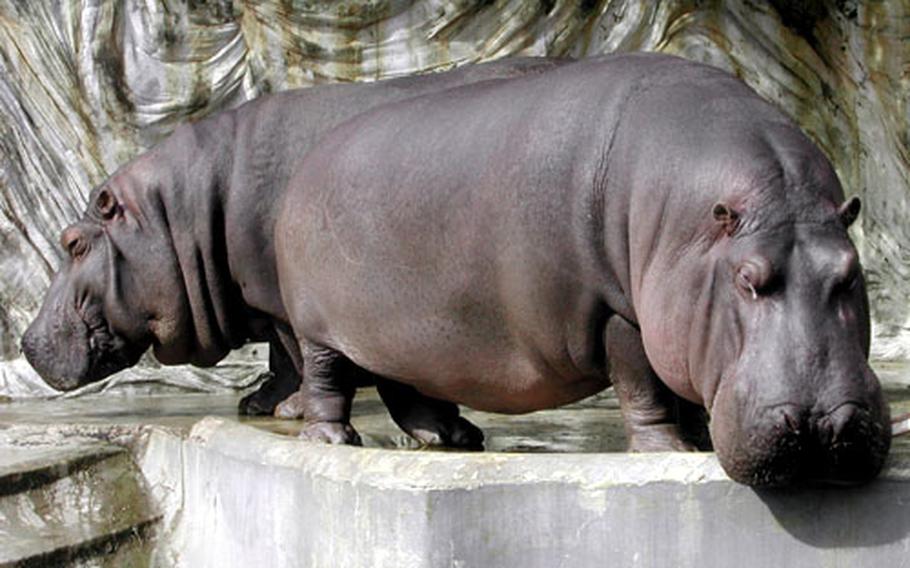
x: 846, y: 445
x: 59, y: 367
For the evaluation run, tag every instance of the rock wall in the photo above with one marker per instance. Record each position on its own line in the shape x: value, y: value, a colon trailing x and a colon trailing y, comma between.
x: 86, y: 85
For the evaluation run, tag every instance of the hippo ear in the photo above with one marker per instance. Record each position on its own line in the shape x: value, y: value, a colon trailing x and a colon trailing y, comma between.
x: 849, y: 211
x: 106, y: 204
x: 726, y: 216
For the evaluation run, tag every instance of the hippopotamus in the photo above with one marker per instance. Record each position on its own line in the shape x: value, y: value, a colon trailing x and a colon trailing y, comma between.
x: 639, y: 221
x: 175, y: 251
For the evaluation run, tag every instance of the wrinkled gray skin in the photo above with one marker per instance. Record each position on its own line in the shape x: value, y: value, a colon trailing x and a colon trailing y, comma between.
x: 639, y: 219
x: 175, y: 251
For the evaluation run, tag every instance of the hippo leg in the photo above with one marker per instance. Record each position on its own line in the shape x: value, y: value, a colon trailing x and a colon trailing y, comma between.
x: 291, y: 408
x: 274, y: 388
x: 430, y: 421
x: 281, y: 381
x: 326, y: 393
x: 648, y: 407
x: 693, y: 423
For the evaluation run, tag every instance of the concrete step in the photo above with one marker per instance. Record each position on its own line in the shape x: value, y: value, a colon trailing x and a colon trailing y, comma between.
x: 80, y: 504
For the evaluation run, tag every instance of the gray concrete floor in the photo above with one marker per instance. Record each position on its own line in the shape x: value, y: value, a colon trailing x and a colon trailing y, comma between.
x: 591, y: 425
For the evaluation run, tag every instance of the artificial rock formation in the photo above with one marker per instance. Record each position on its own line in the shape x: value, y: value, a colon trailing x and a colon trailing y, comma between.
x: 85, y: 86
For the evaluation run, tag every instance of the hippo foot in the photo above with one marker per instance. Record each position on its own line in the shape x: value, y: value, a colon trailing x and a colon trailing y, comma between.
x: 290, y: 408
x: 659, y: 438
x: 459, y: 434
x: 263, y: 400
x: 338, y: 433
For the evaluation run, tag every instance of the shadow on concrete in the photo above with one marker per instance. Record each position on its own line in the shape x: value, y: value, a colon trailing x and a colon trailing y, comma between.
x: 842, y: 517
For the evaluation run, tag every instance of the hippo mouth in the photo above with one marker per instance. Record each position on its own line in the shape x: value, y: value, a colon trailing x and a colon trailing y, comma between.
x: 83, y: 351
x: 847, y: 446
x: 107, y: 353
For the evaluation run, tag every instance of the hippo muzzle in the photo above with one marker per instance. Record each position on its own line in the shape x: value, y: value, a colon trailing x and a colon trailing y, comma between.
x: 59, y: 351
x: 72, y: 341
x: 69, y: 351
x: 841, y: 437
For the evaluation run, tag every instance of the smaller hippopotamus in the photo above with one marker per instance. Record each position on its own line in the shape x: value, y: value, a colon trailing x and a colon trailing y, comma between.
x: 175, y: 250
x: 638, y: 220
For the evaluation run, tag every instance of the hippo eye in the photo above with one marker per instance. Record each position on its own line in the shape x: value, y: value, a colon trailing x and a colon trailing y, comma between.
x: 77, y: 248
x: 74, y: 242
x: 851, y: 282
x: 752, y: 277
x: 745, y: 282
x: 848, y: 275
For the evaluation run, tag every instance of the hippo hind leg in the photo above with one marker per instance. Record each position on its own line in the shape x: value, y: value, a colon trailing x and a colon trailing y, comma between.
x: 655, y: 419
x: 430, y: 421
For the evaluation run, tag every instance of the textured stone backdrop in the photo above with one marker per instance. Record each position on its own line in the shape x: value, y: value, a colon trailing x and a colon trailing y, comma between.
x: 87, y: 84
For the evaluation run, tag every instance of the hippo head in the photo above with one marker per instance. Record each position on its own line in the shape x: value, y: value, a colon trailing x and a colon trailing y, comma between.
x: 84, y: 330
x: 115, y: 294
x: 750, y: 297
x: 798, y: 400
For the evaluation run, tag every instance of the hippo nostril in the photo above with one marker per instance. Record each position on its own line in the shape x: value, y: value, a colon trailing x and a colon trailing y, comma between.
x: 791, y: 421
x: 841, y: 420
x: 776, y: 449
x: 852, y: 442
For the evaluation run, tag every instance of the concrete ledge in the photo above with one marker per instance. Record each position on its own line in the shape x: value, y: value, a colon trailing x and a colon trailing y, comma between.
x: 272, y: 500
x: 231, y: 494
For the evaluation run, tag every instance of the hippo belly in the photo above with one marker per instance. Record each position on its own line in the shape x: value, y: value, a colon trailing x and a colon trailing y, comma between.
x: 493, y: 376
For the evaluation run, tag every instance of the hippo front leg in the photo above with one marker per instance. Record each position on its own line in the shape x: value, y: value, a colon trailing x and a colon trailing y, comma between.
x: 326, y: 393
x: 693, y: 424
x: 650, y: 411
x: 430, y: 421
x: 277, y: 393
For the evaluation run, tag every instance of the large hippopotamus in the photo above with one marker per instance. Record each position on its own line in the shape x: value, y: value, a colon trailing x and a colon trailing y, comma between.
x: 175, y: 250
x: 638, y: 220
